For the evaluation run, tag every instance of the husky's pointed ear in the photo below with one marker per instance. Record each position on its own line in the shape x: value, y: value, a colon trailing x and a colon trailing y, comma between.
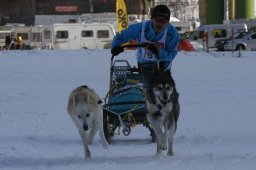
x: 74, y: 100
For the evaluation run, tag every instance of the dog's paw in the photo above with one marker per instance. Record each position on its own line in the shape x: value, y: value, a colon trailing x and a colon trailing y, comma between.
x: 87, y: 157
x: 170, y: 153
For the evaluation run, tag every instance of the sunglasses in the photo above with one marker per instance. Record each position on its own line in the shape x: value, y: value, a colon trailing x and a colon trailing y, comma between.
x: 160, y: 20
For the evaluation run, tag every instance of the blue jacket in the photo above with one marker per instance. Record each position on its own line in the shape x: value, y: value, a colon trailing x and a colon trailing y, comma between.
x: 133, y: 32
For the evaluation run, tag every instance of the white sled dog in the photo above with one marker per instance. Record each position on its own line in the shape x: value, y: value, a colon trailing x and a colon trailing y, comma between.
x: 87, y: 115
x: 163, y: 110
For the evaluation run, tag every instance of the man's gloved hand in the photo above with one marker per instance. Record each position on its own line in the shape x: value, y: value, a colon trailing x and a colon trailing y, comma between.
x: 153, y: 48
x: 116, y: 50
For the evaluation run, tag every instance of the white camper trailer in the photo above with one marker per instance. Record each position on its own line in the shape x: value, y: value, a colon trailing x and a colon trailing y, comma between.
x: 216, y: 32
x: 14, y: 29
x: 72, y: 36
x: 42, y: 37
x: 82, y: 35
x: 3, y: 34
x: 25, y: 32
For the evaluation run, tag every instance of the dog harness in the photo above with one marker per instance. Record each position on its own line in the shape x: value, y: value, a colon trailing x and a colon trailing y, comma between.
x: 146, y: 55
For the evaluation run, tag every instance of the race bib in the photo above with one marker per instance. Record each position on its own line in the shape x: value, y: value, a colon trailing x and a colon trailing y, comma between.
x: 149, y: 56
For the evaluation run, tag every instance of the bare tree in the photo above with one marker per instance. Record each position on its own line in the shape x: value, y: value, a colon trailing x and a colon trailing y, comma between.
x: 181, y: 9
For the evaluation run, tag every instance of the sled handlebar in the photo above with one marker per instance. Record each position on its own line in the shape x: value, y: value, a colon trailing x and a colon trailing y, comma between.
x: 135, y: 45
x: 131, y: 46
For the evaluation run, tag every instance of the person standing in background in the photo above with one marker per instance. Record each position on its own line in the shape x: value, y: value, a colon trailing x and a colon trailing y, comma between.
x: 7, y: 41
x: 19, y: 42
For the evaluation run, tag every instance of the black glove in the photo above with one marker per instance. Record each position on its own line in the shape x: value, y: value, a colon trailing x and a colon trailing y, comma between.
x: 116, y: 50
x: 153, y: 48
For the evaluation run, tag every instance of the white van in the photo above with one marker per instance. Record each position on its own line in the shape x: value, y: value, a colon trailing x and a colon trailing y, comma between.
x: 82, y: 35
x: 216, y: 32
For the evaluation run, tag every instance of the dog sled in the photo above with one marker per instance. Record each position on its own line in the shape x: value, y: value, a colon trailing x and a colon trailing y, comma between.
x: 124, y: 105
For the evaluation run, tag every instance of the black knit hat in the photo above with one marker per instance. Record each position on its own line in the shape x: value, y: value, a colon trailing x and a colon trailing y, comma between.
x: 161, y: 11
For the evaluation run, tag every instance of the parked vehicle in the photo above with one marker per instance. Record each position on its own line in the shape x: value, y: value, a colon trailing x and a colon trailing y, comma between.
x: 80, y: 35
x: 221, y: 42
x: 3, y: 34
x: 25, y: 32
x: 247, y: 42
x: 216, y: 32
x: 14, y: 29
x: 72, y: 36
x: 42, y: 37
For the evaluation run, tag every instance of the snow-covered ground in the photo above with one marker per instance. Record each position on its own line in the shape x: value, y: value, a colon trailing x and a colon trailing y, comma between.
x: 216, y: 129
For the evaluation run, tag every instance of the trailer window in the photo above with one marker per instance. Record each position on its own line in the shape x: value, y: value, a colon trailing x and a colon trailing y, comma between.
x: 102, y: 34
x: 87, y: 33
x: 47, y: 34
x: 62, y: 34
x: 36, y: 37
x: 2, y: 35
x: 219, y: 33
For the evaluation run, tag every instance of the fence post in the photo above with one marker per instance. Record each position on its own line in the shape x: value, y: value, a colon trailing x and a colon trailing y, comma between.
x: 232, y: 39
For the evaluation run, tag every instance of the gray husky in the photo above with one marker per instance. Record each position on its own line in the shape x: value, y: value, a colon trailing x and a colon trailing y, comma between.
x: 163, y: 109
x: 87, y: 115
